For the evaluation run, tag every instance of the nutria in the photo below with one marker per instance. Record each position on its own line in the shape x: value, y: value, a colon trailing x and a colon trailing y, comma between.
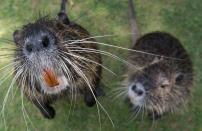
x: 160, y: 84
x: 161, y: 81
x: 51, y: 62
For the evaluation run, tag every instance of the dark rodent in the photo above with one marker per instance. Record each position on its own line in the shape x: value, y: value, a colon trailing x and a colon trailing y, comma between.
x: 166, y: 83
x: 46, y: 44
x: 160, y: 75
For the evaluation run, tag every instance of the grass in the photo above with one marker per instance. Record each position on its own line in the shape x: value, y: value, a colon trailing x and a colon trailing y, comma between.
x: 181, y: 18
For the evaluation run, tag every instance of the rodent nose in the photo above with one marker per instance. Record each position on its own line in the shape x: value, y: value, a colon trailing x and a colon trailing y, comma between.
x: 134, y: 87
x: 38, y: 44
x: 139, y: 92
x: 29, y: 47
x: 45, y: 42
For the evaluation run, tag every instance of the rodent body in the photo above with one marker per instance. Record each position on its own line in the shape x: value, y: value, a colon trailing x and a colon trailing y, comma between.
x: 52, y: 46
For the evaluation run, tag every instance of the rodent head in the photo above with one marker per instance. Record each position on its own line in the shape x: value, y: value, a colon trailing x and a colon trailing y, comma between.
x: 41, y: 52
x: 161, y: 87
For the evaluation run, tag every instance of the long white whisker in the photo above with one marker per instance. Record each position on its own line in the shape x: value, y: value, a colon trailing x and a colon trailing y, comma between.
x: 70, y: 78
x: 86, y: 59
x: 22, y: 94
x: 8, y: 65
x: 22, y: 104
x: 104, y: 53
x: 87, y: 82
x: 8, y: 91
x: 92, y: 37
x: 119, y: 47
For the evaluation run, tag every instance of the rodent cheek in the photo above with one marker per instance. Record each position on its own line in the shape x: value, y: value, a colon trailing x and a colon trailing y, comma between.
x: 131, y: 94
x: 161, y: 92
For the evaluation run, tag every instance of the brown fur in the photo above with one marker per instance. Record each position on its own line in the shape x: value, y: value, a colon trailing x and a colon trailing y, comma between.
x: 152, y: 69
x: 63, y: 33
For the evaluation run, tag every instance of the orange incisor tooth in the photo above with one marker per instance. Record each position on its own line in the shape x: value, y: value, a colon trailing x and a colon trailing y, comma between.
x: 50, y: 78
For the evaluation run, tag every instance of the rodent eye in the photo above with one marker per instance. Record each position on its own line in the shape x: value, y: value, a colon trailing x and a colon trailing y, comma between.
x: 134, y: 87
x: 165, y: 83
x: 179, y: 78
x: 29, y: 47
x: 45, y: 41
x: 163, y: 86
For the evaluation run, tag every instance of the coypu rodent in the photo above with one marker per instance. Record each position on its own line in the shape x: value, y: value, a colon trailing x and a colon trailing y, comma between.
x: 162, y: 82
x: 159, y: 84
x: 47, y: 68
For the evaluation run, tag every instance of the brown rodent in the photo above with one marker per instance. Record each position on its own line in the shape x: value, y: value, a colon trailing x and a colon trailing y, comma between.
x: 156, y: 83
x: 160, y: 77
x: 52, y: 62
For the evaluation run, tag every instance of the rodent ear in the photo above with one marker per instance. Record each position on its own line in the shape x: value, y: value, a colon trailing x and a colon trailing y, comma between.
x: 62, y: 15
x: 63, y: 18
x: 16, y: 36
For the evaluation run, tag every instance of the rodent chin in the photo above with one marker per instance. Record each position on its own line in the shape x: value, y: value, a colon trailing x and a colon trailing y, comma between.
x: 62, y: 85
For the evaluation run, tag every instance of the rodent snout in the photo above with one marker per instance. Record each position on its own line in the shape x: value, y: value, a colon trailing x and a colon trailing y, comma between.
x: 138, y: 89
x: 38, y: 43
x: 136, y: 94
